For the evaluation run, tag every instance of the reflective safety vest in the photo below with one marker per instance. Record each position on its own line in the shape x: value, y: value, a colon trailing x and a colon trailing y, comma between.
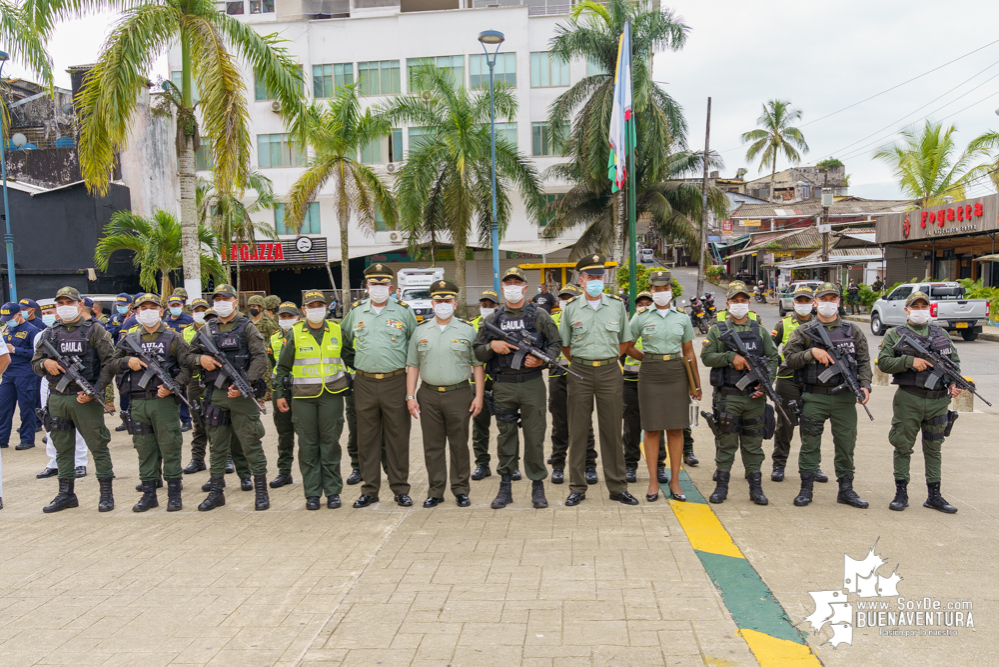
x: 277, y: 344
x: 189, y: 333
x: 316, y: 366
x: 631, y: 364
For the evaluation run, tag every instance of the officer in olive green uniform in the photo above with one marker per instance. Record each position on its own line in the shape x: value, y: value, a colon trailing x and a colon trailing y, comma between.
x: 226, y: 409
x: 821, y: 400
x: 72, y: 411
x: 594, y: 331
x: 272, y: 303
x: 739, y: 414
x: 287, y: 318
x: 312, y: 371
x: 441, y: 354
x: 488, y: 301
x: 180, y: 291
x: 379, y: 329
x: 154, y: 411
x: 918, y: 407
x: 195, y: 393
x: 632, y: 435
x: 264, y: 323
x: 518, y: 386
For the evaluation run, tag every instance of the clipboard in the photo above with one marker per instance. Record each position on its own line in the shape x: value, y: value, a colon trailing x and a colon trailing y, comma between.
x: 692, y: 386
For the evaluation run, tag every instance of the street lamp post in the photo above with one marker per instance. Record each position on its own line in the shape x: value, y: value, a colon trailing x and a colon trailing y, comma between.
x: 490, y: 38
x: 8, y: 238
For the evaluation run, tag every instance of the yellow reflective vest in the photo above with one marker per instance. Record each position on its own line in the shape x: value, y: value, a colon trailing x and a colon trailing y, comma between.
x: 316, y: 365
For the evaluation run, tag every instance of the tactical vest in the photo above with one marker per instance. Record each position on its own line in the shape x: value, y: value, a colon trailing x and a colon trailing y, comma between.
x: 22, y: 337
x: 937, y: 341
x: 232, y: 344
x: 76, y: 343
x: 500, y: 363
x: 316, y: 365
x: 841, y: 337
x: 752, y: 338
x: 160, y: 348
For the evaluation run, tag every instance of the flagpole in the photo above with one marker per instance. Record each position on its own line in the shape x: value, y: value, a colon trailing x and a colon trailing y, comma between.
x: 632, y: 231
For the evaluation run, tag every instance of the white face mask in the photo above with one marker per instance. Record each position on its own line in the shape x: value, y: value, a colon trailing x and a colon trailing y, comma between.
x: 199, y: 317
x: 443, y: 310
x: 486, y: 312
x: 662, y: 298
x: 379, y: 293
x: 287, y: 324
x: 828, y: 308
x: 67, y: 313
x: 919, y: 316
x: 738, y: 310
x: 513, y: 293
x: 803, y: 308
x: 224, y: 308
x: 315, y: 315
x: 149, y: 317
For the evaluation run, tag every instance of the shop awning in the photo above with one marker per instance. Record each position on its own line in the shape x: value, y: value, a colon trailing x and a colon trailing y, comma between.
x: 987, y: 258
x: 811, y: 262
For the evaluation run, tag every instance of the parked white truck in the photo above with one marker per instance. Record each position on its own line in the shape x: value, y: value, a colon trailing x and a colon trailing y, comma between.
x: 414, y: 289
x: 949, y: 309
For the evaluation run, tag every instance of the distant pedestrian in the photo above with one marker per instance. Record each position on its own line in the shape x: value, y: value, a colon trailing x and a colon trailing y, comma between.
x: 853, y: 292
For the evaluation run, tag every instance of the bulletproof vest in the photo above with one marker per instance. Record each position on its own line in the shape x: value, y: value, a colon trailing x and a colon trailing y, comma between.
x: 232, y: 344
x: 842, y: 338
x: 752, y: 338
x: 936, y: 341
x: 528, y: 320
x: 76, y: 343
x: 160, y: 349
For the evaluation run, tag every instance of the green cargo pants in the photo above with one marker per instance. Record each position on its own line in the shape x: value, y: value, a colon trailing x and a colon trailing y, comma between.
x: 348, y: 403
x: 160, y: 450
x: 319, y: 423
x: 89, y: 421
x: 529, y: 398
x: 245, y: 423
x: 727, y: 444
x: 199, y: 443
x: 286, y: 436
x: 913, y: 414
x: 688, y: 441
x: 841, y: 411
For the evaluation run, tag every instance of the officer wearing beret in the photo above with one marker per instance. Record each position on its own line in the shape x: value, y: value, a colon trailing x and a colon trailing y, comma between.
x: 288, y: 317
x: 195, y: 393
x: 379, y: 329
x: 594, y: 330
x: 441, y: 355
x: 20, y: 383
x: 488, y: 301
x: 918, y: 408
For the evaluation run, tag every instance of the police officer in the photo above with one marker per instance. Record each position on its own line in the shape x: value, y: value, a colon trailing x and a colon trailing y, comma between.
x: 226, y: 410
x: 632, y: 434
x: 739, y: 414
x: 311, y: 370
x: 154, y: 415
x: 70, y: 408
x: 121, y: 312
x: 594, y: 331
x: 806, y: 355
x: 488, y: 302
x: 97, y: 310
x: 441, y: 354
x: 518, y: 386
x: 178, y: 320
x: 271, y: 304
x: 804, y: 304
x: 265, y: 323
x: 916, y: 407
x: 182, y: 293
x: 379, y: 329
x: 288, y: 317
x: 20, y: 383
x: 195, y: 393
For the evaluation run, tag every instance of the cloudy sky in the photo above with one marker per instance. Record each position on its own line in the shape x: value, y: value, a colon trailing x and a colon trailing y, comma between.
x: 819, y: 56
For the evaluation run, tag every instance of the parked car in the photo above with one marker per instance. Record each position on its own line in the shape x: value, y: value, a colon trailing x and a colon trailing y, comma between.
x: 785, y: 302
x: 949, y: 309
x: 646, y: 256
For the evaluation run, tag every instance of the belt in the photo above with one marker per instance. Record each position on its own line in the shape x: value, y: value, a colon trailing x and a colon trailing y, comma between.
x: 444, y: 388
x: 827, y: 391
x: 142, y: 395
x: 661, y: 357
x: 595, y: 363
x: 924, y: 393
x: 734, y: 391
x: 517, y: 377
x: 380, y: 376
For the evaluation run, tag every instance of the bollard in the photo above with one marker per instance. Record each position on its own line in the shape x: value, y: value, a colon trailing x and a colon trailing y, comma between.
x: 880, y: 379
x: 963, y: 403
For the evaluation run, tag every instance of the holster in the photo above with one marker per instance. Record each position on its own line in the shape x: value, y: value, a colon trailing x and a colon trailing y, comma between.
x: 135, y: 427
x: 793, y: 410
x: 44, y: 418
x: 709, y: 419
x: 216, y: 416
x: 755, y: 426
x: 811, y: 426
x: 61, y: 424
x: 939, y: 420
x: 506, y: 415
x: 487, y: 398
x: 727, y: 422
x: 951, y: 418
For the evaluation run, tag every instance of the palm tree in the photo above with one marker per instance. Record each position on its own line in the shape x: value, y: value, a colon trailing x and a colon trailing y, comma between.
x: 210, y: 41
x: 986, y: 144
x: 923, y: 162
x: 776, y: 136
x: 24, y: 31
x: 446, y: 183
x: 157, y: 247
x: 337, y: 131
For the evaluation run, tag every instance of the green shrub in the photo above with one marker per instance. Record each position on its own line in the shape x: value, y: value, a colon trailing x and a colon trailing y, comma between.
x: 869, y: 296
x: 715, y: 271
x: 642, y: 279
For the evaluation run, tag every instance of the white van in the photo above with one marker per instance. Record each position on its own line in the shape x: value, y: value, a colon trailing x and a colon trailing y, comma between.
x: 414, y: 289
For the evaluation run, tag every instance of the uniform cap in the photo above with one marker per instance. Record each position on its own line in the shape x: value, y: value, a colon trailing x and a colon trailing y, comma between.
x: 490, y: 295
x: 915, y: 296
x: 148, y: 297
x: 27, y: 303
x: 660, y: 277
x: 826, y: 288
x: 287, y: 308
x: 175, y: 298
x: 124, y: 297
x: 272, y: 302
x: 210, y: 313
x: 443, y: 288
x: 737, y: 287
x: 570, y: 290
x: 804, y: 290
x: 379, y: 274
x: 312, y: 296
x: 9, y: 311
x: 70, y: 292
x: 516, y: 272
x: 182, y: 292
x: 199, y: 303
x: 592, y: 264
x: 87, y: 301
x: 224, y: 290
x: 256, y: 300
x: 50, y: 303
x: 644, y: 294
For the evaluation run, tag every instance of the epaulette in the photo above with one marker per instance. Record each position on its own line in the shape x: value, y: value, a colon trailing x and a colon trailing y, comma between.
x: 641, y: 310
x: 403, y: 303
x: 426, y: 321
x: 571, y: 299
x: 615, y: 296
x: 680, y: 309
x: 357, y: 303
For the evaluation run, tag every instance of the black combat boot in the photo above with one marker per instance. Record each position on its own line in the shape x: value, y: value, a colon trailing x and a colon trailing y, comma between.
x: 721, y: 486
x: 196, y: 465
x: 158, y: 482
x: 690, y: 459
x: 216, y: 495
x: 64, y: 499
x: 756, y: 488
x: 901, y: 500
x: 263, y: 501
x: 630, y: 474
x: 505, y: 495
x: 106, y: 503
x: 538, y: 494
x: 804, y: 496
x: 778, y: 474
x: 282, y: 479
x: 355, y: 477
x: 246, y: 484
x: 935, y: 501
x: 481, y: 472
x: 207, y: 486
x: 821, y: 477
x: 174, y: 502
x: 148, y: 499
x: 847, y: 495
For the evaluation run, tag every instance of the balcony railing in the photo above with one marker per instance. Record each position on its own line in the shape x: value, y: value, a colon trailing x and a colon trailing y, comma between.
x: 534, y: 7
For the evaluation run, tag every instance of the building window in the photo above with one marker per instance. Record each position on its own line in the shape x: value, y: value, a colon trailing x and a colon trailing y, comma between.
x: 203, y: 157
x: 326, y: 78
x: 453, y: 65
x: 380, y: 224
x: 371, y: 153
x: 505, y: 70
x: 506, y: 131
x: 546, y: 142
x: 309, y: 226
x: 261, y: 6
x: 177, y: 79
x: 262, y: 92
x: 278, y: 150
x: 376, y: 151
x: 418, y: 136
x: 547, y: 71
x: 594, y: 68
x: 234, y: 8
x: 547, y: 217
x: 395, y: 146
x: 379, y: 77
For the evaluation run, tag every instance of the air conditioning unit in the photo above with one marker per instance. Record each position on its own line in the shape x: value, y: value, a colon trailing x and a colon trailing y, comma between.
x: 276, y: 106
x: 393, y: 167
x: 395, y: 237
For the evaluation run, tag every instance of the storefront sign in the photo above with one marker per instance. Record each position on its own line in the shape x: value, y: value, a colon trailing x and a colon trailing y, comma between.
x: 972, y: 216
x: 303, y: 250
x: 727, y: 226
x: 750, y: 223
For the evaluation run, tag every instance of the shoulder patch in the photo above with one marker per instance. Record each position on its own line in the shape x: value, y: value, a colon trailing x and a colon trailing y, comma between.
x: 615, y: 296
x: 571, y: 299
x: 680, y: 309
x: 641, y: 310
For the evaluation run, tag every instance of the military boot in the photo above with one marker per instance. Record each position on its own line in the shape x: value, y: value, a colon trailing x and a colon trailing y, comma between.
x: 847, y: 495
x: 64, y: 499
x: 505, y: 495
x: 106, y: 503
x: 756, y: 488
x: 901, y: 500
x: 804, y: 496
x: 282, y: 479
x: 207, y: 486
x: 148, y: 499
x: 174, y: 502
x: 721, y: 486
x: 216, y: 495
x: 935, y: 501
x: 263, y: 501
x: 538, y: 494
x: 140, y: 487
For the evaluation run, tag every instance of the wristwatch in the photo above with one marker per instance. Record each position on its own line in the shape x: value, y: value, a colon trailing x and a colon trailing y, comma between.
x: 411, y: 398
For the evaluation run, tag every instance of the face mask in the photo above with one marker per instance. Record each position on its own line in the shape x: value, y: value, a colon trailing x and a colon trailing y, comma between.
x: 149, y: 317
x: 738, y: 310
x: 803, y: 309
x: 379, y: 293
x: 199, y: 317
x: 562, y: 303
x: 49, y: 319
x: 224, y: 308
x: 122, y: 309
x: 254, y: 311
x: 176, y: 311
x: 315, y: 315
x: 443, y: 310
x: 12, y: 324
x: 594, y: 287
x: 513, y: 293
x: 67, y: 313
x: 486, y: 312
x: 828, y: 308
x: 289, y: 323
x: 915, y: 316
x: 662, y: 298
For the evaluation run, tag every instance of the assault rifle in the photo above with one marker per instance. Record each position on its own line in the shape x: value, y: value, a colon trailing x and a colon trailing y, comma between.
x: 525, y: 346
x: 840, y: 365
x: 155, y: 369
x: 943, y: 367
x: 226, y: 369
x: 72, y: 367
x: 758, y: 372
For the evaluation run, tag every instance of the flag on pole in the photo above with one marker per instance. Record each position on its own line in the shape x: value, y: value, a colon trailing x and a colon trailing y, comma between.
x: 621, y: 140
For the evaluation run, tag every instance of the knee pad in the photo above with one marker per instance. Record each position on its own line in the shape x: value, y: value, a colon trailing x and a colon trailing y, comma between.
x: 811, y: 426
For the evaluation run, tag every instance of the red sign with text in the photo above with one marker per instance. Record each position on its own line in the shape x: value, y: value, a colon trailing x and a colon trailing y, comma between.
x: 959, y: 214
x: 265, y: 252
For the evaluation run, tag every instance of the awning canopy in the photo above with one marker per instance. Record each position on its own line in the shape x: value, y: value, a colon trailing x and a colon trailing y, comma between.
x: 987, y: 258
x: 812, y: 262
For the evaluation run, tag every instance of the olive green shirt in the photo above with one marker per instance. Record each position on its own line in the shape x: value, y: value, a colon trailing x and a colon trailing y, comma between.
x: 443, y: 357
x: 99, y: 339
x: 122, y: 353
x: 255, y: 343
x: 267, y: 326
x: 716, y: 354
x: 890, y: 361
x: 798, y: 353
x: 594, y: 334
x: 380, y: 340
x: 661, y: 335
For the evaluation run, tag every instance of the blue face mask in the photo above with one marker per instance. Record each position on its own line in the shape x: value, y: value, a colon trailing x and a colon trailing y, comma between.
x: 176, y: 311
x: 594, y: 287
x: 12, y: 324
x: 49, y: 320
x: 122, y: 309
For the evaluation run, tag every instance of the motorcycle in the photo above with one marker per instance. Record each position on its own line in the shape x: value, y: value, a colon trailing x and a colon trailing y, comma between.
x: 710, y: 311
x: 698, y: 318
x: 759, y: 294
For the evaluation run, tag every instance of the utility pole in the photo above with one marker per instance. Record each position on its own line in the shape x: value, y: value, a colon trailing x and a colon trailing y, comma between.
x: 702, y: 261
x: 827, y: 200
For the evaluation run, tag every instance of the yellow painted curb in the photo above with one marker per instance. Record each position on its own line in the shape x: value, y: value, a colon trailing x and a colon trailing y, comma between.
x: 773, y: 652
x: 704, y: 530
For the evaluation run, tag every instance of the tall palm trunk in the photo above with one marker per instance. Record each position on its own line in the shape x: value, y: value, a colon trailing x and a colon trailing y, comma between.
x: 190, y: 247
x: 773, y: 173
x: 619, y: 230
x: 343, y: 218
x: 460, y: 243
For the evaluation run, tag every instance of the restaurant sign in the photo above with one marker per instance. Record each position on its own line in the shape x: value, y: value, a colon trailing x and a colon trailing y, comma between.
x: 303, y: 250
x: 972, y: 216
